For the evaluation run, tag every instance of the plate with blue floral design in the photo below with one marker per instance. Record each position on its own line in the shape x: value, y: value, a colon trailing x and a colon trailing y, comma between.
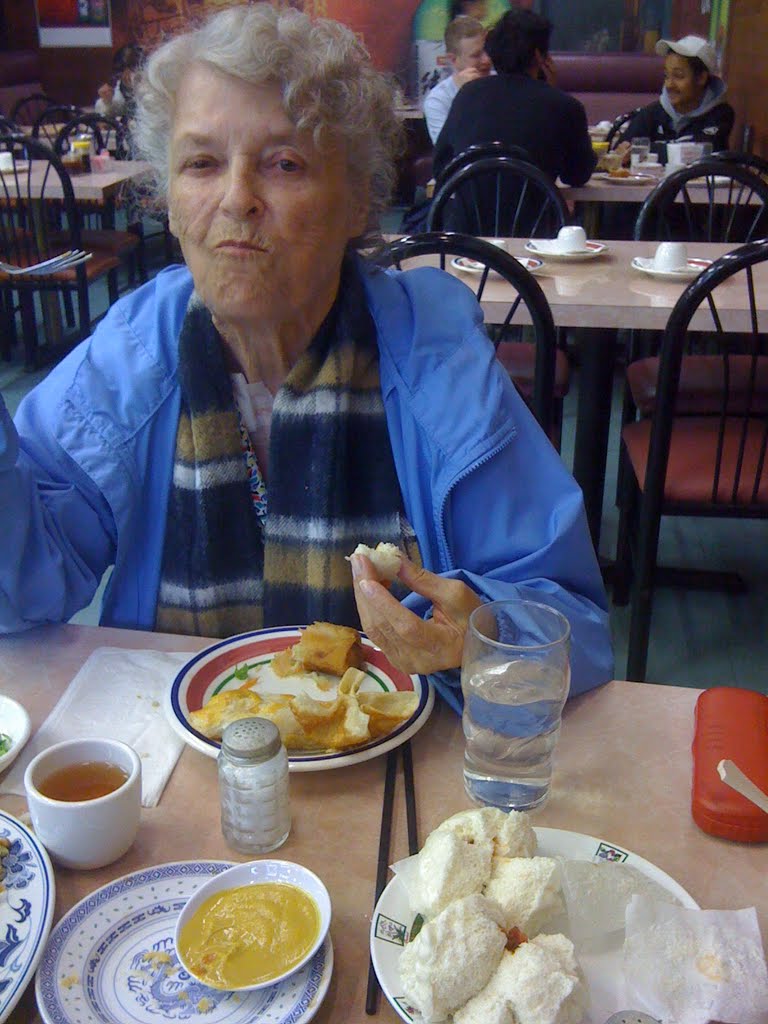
x: 27, y: 898
x: 394, y: 924
x: 111, y: 960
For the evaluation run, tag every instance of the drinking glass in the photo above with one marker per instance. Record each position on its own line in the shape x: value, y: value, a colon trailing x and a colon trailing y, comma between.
x: 639, y: 149
x: 515, y: 676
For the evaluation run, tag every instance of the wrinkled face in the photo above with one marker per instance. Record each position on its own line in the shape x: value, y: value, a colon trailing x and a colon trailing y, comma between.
x: 684, y: 88
x: 472, y: 55
x: 261, y: 214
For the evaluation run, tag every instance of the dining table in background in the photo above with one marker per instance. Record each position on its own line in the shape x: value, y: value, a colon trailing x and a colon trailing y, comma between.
x: 622, y: 774
x: 92, y: 186
x: 600, y: 296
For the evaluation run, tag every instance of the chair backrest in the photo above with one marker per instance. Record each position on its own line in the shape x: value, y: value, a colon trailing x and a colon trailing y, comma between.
x: 476, y: 152
x: 735, y: 455
x: 527, y: 302
x: 48, y: 122
x: 499, y: 196
x: 27, y: 216
x: 709, y: 201
x: 8, y: 127
x: 107, y: 133
x: 613, y: 138
x: 26, y: 110
x: 755, y: 163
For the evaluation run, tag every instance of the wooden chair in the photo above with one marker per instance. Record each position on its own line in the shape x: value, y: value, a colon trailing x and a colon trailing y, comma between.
x: 710, y: 460
x: 499, y: 196
x: 538, y: 387
x: 32, y: 229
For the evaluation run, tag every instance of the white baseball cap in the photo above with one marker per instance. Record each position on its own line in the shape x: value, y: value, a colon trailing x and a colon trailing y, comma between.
x: 690, y: 46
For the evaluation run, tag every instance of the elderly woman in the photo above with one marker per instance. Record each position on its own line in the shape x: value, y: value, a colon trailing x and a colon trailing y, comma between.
x: 692, y: 103
x: 235, y: 427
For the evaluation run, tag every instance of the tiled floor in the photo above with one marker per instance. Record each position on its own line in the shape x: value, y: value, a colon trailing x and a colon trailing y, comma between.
x: 698, y: 638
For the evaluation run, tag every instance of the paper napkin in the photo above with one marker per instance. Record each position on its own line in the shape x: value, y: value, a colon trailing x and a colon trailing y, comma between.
x: 119, y: 694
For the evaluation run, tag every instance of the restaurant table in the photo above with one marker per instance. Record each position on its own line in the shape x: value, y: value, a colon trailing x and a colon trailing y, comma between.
x: 95, y: 186
x: 601, y: 296
x: 622, y: 774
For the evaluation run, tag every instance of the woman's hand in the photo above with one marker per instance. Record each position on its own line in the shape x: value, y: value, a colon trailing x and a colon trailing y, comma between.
x: 411, y: 643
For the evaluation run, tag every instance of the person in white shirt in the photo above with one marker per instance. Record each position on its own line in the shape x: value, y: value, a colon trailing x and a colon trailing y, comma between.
x: 465, y: 47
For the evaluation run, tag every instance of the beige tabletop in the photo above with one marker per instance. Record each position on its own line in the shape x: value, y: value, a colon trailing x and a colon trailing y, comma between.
x: 601, y: 189
x: 607, y: 292
x: 96, y: 186
x: 623, y: 774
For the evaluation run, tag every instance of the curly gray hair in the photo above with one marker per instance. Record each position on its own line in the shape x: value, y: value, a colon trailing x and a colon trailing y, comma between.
x: 328, y: 85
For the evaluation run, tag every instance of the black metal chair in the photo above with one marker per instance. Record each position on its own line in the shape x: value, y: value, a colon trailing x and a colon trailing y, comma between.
x: 39, y: 219
x: 499, y: 196
x: 694, y: 204
x: 26, y: 110
x: 755, y: 163
x: 734, y: 212
x: 48, y: 122
x: 614, y: 136
x: 98, y: 226
x: 708, y: 461
x: 535, y: 359
x: 476, y: 152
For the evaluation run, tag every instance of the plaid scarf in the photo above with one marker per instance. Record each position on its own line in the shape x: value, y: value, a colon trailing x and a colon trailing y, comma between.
x: 332, y: 483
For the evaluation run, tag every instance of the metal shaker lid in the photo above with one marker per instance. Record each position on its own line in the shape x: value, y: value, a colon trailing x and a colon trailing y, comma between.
x: 251, y: 739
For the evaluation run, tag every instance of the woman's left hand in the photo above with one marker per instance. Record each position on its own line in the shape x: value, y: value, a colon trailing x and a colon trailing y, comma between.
x: 413, y: 644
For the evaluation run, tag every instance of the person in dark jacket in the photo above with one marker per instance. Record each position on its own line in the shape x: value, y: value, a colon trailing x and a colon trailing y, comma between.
x: 692, y: 105
x: 521, y: 104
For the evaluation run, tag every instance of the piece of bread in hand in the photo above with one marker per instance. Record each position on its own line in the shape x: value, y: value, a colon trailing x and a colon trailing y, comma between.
x: 323, y: 647
x: 385, y: 559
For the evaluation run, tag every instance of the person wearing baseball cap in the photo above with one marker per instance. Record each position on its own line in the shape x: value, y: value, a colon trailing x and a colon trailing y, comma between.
x: 692, y: 104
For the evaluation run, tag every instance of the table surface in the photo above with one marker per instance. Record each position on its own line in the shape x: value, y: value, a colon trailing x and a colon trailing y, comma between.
x: 604, y: 190
x: 623, y: 773
x: 606, y: 292
x: 98, y: 186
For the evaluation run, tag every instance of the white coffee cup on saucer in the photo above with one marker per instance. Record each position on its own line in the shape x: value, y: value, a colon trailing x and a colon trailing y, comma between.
x: 80, y: 830
x: 571, y: 238
x: 670, y: 256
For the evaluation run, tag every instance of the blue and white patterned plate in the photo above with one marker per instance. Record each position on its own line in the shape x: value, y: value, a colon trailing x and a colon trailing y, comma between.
x: 111, y: 960
x: 26, y: 910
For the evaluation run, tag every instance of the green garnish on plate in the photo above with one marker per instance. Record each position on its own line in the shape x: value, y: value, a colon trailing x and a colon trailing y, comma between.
x: 5, y: 743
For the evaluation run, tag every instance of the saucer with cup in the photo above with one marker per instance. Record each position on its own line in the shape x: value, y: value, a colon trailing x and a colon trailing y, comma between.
x: 84, y: 798
x: 571, y: 244
x: 671, y: 261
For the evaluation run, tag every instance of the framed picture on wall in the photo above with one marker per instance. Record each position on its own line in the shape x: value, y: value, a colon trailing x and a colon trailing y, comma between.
x: 74, y: 23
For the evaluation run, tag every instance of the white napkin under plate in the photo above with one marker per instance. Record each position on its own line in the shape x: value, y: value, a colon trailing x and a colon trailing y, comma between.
x: 118, y: 694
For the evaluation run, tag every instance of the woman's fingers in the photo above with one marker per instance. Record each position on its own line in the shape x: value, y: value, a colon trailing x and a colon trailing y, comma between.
x: 411, y: 643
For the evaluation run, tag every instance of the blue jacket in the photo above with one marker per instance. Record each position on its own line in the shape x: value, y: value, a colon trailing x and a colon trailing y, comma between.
x: 85, y: 475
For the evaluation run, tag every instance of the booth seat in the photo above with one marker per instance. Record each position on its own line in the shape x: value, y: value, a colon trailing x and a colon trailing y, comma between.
x: 19, y: 77
x: 609, y: 84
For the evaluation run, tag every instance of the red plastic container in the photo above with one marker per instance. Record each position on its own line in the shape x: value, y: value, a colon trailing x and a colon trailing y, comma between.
x: 731, y: 724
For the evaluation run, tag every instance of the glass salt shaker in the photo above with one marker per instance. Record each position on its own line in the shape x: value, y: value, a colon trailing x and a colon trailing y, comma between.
x: 253, y: 786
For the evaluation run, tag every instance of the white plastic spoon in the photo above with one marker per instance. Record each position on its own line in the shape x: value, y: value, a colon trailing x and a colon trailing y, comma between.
x: 734, y: 777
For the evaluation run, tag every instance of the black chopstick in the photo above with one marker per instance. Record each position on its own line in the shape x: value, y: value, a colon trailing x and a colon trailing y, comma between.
x: 382, y: 866
x: 410, y: 798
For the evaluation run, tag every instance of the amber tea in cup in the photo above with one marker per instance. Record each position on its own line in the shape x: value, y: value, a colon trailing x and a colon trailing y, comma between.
x: 84, y: 798
x: 85, y: 780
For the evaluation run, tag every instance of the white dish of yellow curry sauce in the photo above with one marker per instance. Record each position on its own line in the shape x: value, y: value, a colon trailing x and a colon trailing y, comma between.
x: 253, y: 925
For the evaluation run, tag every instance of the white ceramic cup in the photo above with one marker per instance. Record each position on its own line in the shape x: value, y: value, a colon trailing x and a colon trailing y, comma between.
x: 670, y: 256
x: 572, y: 238
x: 85, y: 833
